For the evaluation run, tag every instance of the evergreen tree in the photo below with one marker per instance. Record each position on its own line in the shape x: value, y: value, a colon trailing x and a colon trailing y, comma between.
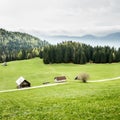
x: 118, y: 55
x: 78, y: 53
x: 19, y: 56
x: 46, y: 59
x: 83, y: 59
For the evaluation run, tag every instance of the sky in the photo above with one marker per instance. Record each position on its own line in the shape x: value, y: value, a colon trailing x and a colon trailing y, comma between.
x: 61, y: 17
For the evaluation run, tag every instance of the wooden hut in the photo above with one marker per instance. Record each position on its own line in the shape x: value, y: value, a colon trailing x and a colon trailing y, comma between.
x: 4, y: 64
x: 60, y: 79
x: 22, y: 83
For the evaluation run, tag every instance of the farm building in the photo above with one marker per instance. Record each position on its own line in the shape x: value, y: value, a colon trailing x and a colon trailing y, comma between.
x: 4, y: 64
x: 60, y: 79
x: 22, y: 83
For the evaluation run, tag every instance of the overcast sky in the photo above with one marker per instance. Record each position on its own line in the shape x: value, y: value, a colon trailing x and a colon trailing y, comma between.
x: 68, y: 17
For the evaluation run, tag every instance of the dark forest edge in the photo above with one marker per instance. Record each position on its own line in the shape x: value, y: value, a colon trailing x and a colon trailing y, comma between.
x: 78, y: 53
x: 19, y: 46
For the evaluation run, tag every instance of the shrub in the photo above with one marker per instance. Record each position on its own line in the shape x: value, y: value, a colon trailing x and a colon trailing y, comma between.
x: 83, y: 77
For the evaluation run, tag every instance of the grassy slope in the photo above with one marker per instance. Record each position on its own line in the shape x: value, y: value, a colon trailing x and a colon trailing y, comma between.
x: 72, y: 101
x: 36, y: 72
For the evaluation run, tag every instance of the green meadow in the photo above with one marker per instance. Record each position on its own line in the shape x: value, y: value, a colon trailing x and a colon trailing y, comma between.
x: 71, y: 101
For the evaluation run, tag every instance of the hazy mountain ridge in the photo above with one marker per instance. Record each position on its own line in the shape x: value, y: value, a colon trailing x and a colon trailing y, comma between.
x: 112, y: 39
x: 111, y: 36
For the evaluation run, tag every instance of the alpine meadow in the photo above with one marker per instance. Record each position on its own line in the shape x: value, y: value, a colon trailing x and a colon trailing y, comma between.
x: 72, y: 100
x: 59, y: 59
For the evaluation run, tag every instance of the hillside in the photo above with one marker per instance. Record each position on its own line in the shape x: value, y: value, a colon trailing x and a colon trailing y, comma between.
x: 11, y: 43
x: 35, y: 71
x: 17, y: 40
x: 70, y: 101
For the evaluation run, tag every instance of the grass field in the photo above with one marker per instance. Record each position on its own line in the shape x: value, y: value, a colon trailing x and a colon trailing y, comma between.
x: 71, y: 101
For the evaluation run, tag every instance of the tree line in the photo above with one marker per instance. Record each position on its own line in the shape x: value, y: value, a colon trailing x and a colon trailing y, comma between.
x: 74, y: 52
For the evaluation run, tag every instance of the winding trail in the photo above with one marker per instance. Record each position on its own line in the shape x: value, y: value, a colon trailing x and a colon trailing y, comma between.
x: 28, y: 88
x: 54, y: 84
x: 104, y: 80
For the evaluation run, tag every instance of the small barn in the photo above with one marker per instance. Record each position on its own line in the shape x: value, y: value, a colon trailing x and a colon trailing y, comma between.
x: 4, y: 64
x: 22, y: 83
x: 60, y: 79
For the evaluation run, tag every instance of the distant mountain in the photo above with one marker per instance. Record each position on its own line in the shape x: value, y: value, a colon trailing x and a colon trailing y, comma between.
x: 88, y: 37
x: 112, y: 36
x: 112, y: 40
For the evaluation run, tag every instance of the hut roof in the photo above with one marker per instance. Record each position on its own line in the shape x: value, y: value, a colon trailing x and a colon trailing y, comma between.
x: 60, y: 78
x: 20, y: 80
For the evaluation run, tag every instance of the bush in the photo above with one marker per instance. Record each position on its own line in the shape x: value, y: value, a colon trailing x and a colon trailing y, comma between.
x: 83, y: 77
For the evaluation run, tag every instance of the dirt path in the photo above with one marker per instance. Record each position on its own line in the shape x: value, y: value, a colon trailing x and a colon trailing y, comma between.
x: 54, y: 84
x: 104, y: 80
x: 12, y: 90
